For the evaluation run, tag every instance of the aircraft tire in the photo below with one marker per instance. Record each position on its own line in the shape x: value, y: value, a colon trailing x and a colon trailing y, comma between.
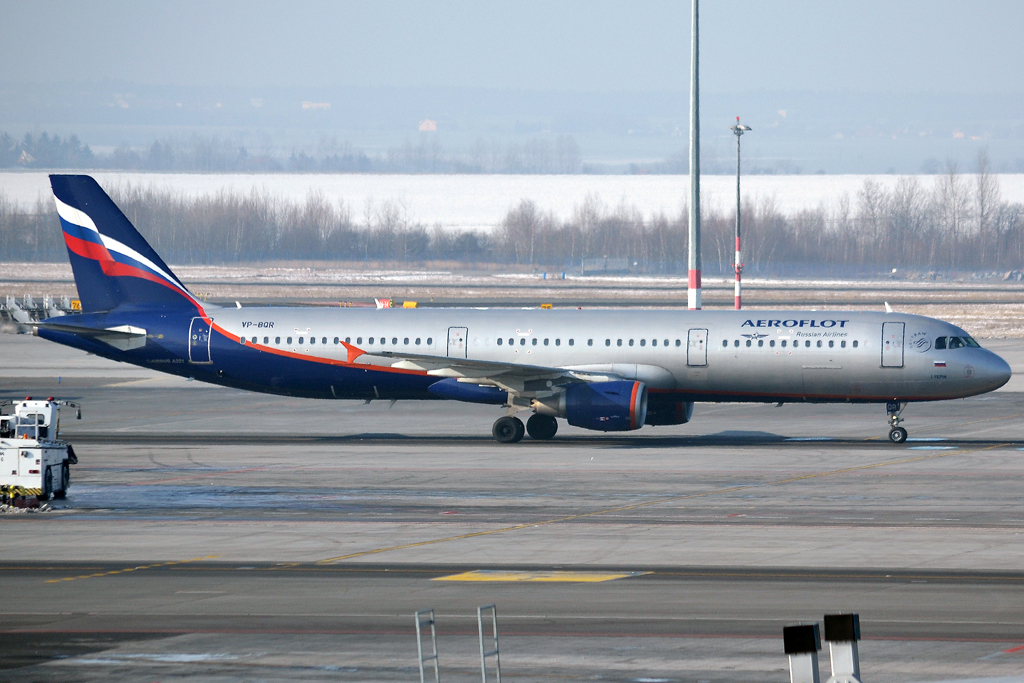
x: 541, y: 427
x: 897, y: 435
x: 508, y: 429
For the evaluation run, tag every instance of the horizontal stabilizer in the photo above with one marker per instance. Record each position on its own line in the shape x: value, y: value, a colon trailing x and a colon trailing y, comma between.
x: 122, y: 337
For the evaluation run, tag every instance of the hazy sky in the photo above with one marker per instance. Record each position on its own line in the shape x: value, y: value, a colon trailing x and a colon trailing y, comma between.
x: 870, y: 45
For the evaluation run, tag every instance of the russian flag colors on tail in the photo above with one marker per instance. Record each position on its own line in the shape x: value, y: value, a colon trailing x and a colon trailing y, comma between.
x: 113, y: 264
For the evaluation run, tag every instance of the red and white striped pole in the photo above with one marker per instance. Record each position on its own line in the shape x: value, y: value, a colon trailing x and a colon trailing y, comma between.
x: 738, y: 129
x: 693, y: 290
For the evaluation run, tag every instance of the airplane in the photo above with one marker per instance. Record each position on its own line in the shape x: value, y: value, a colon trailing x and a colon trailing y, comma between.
x: 604, y: 370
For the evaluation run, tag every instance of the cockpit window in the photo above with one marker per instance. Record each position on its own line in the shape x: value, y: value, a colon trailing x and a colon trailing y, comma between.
x: 956, y: 343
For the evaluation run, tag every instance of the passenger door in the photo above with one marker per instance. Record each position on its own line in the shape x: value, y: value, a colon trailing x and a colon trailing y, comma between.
x: 199, y: 341
x: 457, y: 341
x: 892, y: 345
x: 697, y: 348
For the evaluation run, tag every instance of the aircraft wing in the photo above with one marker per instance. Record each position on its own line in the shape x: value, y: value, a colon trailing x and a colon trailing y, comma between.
x: 519, y: 380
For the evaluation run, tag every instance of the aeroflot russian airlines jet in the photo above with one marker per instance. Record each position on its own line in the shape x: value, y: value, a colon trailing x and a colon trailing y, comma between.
x: 597, y: 369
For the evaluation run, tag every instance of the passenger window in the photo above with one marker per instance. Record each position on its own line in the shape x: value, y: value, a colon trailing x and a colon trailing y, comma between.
x: 854, y: 344
x: 418, y: 341
x: 324, y: 340
x: 500, y: 341
x: 406, y: 342
x: 266, y: 340
x: 522, y: 341
x: 546, y: 342
x: 359, y: 340
x: 301, y: 340
x: 678, y: 342
x: 831, y: 343
x: 607, y: 342
x: 590, y: 342
x: 842, y: 344
x: 725, y: 343
x: 772, y: 343
x: 618, y: 342
x: 760, y: 343
x: 289, y: 340
x: 572, y: 342
x: 394, y: 340
x: 748, y: 343
x: 348, y: 340
x: 630, y: 342
x: 430, y: 341
x: 254, y: 340
x: 643, y: 342
x: 783, y: 343
x: 534, y: 341
x: 336, y: 340
x: 277, y: 340
x: 558, y: 342
x: 736, y: 343
x: 654, y: 342
x: 666, y: 342
x: 807, y: 344
x: 312, y: 340
x: 370, y: 340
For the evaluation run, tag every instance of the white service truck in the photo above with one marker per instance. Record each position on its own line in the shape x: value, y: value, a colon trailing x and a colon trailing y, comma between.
x: 33, y: 461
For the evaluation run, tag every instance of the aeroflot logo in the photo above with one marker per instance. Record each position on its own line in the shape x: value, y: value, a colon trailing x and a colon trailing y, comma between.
x: 795, y: 323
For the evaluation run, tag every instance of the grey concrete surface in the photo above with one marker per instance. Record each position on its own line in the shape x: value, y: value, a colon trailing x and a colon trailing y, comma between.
x: 217, y: 535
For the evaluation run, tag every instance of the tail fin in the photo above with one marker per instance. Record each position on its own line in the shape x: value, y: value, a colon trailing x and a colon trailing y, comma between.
x: 112, y: 263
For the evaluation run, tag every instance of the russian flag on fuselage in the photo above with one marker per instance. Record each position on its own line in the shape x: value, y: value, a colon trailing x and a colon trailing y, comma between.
x: 112, y: 262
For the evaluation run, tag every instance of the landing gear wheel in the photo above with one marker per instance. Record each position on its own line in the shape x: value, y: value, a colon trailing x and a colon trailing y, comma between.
x: 897, y: 435
x: 508, y: 429
x: 541, y: 427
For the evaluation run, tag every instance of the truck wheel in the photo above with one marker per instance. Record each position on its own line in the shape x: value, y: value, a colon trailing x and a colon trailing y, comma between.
x: 47, y: 484
x: 65, y: 481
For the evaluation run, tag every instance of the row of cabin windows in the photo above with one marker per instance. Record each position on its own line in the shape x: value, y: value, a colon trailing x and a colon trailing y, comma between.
x: 348, y: 340
x: 796, y: 343
x: 590, y: 342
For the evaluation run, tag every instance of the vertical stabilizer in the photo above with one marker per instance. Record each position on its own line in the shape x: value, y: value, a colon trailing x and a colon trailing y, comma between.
x: 112, y: 263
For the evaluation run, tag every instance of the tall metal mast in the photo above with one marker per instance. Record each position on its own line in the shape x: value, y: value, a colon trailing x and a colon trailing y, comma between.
x: 738, y: 129
x: 693, y: 291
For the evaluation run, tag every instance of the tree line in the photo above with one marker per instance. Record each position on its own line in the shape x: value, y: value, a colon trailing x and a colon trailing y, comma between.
x: 210, y: 154
x: 959, y: 224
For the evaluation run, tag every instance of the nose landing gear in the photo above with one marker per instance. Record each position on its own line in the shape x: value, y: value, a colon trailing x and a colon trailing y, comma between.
x: 893, y: 409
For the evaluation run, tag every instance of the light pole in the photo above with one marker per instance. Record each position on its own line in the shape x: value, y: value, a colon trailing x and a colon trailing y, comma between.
x: 739, y: 130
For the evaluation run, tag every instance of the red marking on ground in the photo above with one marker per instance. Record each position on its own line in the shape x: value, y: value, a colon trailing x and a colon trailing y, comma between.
x: 1014, y: 649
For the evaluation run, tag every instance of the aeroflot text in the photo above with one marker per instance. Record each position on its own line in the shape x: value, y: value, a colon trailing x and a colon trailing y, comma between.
x: 794, y: 323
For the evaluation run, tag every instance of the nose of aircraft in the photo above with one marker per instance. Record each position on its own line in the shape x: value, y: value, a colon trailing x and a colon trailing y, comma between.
x: 994, y: 371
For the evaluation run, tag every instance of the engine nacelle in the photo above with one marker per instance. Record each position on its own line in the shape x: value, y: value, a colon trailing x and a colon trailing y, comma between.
x: 665, y: 409
x: 602, y: 406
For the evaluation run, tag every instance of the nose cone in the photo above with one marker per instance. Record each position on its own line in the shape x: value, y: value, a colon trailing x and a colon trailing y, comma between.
x: 994, y: 372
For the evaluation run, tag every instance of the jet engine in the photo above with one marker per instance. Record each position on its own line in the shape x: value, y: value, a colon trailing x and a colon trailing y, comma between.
x: 667, y: 410
x: 601, y: 406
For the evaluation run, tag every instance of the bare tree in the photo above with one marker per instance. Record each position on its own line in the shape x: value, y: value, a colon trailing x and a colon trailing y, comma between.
x: 986, y: 203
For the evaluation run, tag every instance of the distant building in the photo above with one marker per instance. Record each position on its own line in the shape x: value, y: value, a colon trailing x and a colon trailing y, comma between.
x: 428, y: 125
x: 25, y: 159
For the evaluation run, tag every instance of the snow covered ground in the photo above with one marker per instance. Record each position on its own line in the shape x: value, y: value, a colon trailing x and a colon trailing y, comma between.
x: 481, y: 201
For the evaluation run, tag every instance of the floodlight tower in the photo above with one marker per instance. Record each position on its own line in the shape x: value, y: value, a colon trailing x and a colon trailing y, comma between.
x: 693, y: 290
x: 739, y: 130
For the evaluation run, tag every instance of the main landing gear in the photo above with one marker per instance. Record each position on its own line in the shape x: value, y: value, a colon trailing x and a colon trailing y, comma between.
x: 510, y: 429
x: 893, y: 409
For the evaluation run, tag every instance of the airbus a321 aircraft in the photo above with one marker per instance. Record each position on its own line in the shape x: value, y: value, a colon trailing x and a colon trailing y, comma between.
x: 604, y: 370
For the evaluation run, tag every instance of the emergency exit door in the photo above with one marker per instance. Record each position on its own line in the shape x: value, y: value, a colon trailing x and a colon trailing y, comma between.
x: 457, y: 341
x: 892, y: 345
x: 199, y: 341
x: 697, y: 348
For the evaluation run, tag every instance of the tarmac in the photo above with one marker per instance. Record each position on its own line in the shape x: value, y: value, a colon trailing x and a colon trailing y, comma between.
x: 214, y: 535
